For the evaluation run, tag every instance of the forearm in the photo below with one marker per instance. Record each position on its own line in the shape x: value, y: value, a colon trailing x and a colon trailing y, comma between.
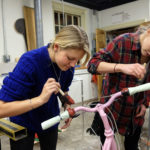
x: 105, y: 67
x: 8, y: 109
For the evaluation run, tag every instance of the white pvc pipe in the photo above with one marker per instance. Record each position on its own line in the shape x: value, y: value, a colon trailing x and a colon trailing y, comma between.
x: 140, y: 88
x: 50, y: 122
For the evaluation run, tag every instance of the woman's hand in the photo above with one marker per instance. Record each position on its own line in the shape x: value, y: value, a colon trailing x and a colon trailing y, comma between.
x: 136, y: 69
x: 140, y: 111
x: 67, y: 123
x: 50, y: 87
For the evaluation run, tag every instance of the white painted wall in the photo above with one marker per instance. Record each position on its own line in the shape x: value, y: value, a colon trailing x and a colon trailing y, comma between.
x: 129, y: 12
x: 15, y: 45
x: 13, y: 10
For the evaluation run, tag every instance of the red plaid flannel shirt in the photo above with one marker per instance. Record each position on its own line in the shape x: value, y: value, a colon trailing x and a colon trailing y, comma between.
x: 123, y: 49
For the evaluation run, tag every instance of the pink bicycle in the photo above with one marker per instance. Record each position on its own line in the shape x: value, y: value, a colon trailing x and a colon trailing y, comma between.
x: 110, y: 143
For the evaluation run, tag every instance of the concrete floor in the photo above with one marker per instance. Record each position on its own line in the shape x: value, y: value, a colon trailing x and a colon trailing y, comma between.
x: 76, y: 138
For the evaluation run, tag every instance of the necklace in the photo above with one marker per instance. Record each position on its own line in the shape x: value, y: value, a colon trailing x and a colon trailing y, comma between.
x: 58, y: 77
x: 50, y: 55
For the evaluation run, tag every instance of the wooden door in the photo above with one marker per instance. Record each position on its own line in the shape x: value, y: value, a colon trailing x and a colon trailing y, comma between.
x: 100, y: 43
x: 30, y: 27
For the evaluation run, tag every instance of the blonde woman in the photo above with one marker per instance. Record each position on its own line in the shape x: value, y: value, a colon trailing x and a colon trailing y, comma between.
x: 29, y: 94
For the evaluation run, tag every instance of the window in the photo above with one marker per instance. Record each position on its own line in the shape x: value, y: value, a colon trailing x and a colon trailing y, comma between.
x: 62, y: 20
x: 72, y: 15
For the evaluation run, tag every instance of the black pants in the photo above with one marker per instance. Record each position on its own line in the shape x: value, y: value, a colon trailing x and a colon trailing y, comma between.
x: 47, y: 140
x: 131, y: 140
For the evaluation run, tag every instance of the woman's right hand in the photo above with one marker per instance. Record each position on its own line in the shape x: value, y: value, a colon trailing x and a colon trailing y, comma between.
x: 50, y: 87
x: 136, y: 69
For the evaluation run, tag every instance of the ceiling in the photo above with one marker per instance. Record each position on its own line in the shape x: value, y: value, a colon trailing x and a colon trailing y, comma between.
x: 99, y: 4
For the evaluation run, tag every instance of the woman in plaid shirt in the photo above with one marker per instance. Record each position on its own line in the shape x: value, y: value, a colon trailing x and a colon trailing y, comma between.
x: 122, y: 61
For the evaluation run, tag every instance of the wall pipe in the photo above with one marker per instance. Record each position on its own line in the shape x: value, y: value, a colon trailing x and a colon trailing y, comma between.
x: 38, y: 23
x: 6, y: 57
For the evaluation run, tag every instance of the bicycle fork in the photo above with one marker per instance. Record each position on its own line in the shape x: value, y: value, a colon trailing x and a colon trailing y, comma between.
x: 109, y: 143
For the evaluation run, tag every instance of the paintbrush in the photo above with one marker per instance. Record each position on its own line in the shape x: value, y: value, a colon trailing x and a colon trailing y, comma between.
x: 146, y: 69
x: 65, y: 98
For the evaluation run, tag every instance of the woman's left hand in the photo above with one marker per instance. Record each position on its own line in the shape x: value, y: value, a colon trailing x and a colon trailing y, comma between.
x: 67, y: 123
x: 140, y: 111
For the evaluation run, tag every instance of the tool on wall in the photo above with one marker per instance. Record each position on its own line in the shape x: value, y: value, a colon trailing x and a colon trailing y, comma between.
x: 20, y: 27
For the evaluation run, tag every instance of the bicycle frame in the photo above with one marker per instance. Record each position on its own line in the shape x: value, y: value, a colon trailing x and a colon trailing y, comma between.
x: 109, y: 143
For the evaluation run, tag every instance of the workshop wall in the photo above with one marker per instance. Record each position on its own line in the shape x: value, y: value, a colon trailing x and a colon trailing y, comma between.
x: 13, y: 42
x: 127, y: 13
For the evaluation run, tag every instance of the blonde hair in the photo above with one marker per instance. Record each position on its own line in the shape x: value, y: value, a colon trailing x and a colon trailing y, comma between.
x: 73, y: 37
x: 143, y: 28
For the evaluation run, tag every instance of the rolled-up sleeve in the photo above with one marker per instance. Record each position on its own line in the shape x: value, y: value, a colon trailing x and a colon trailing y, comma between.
x: 104, y: 55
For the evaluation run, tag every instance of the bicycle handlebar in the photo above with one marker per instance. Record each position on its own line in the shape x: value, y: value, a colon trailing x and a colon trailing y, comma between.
x: 50, y: 122
x: 65, y: 115
x: 140, y: 88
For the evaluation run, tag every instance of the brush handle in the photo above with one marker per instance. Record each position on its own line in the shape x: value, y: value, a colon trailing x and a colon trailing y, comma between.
x: 61, y: 92
x: 146, y: 70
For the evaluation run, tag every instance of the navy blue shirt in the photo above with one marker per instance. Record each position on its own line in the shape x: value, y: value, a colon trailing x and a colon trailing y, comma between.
x: 27, y: 81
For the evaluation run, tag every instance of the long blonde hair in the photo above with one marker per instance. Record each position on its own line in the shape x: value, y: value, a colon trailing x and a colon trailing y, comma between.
x: 73, y: 37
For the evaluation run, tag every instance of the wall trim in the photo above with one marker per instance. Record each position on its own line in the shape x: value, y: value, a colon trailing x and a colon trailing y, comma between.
x: 124, y: 25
